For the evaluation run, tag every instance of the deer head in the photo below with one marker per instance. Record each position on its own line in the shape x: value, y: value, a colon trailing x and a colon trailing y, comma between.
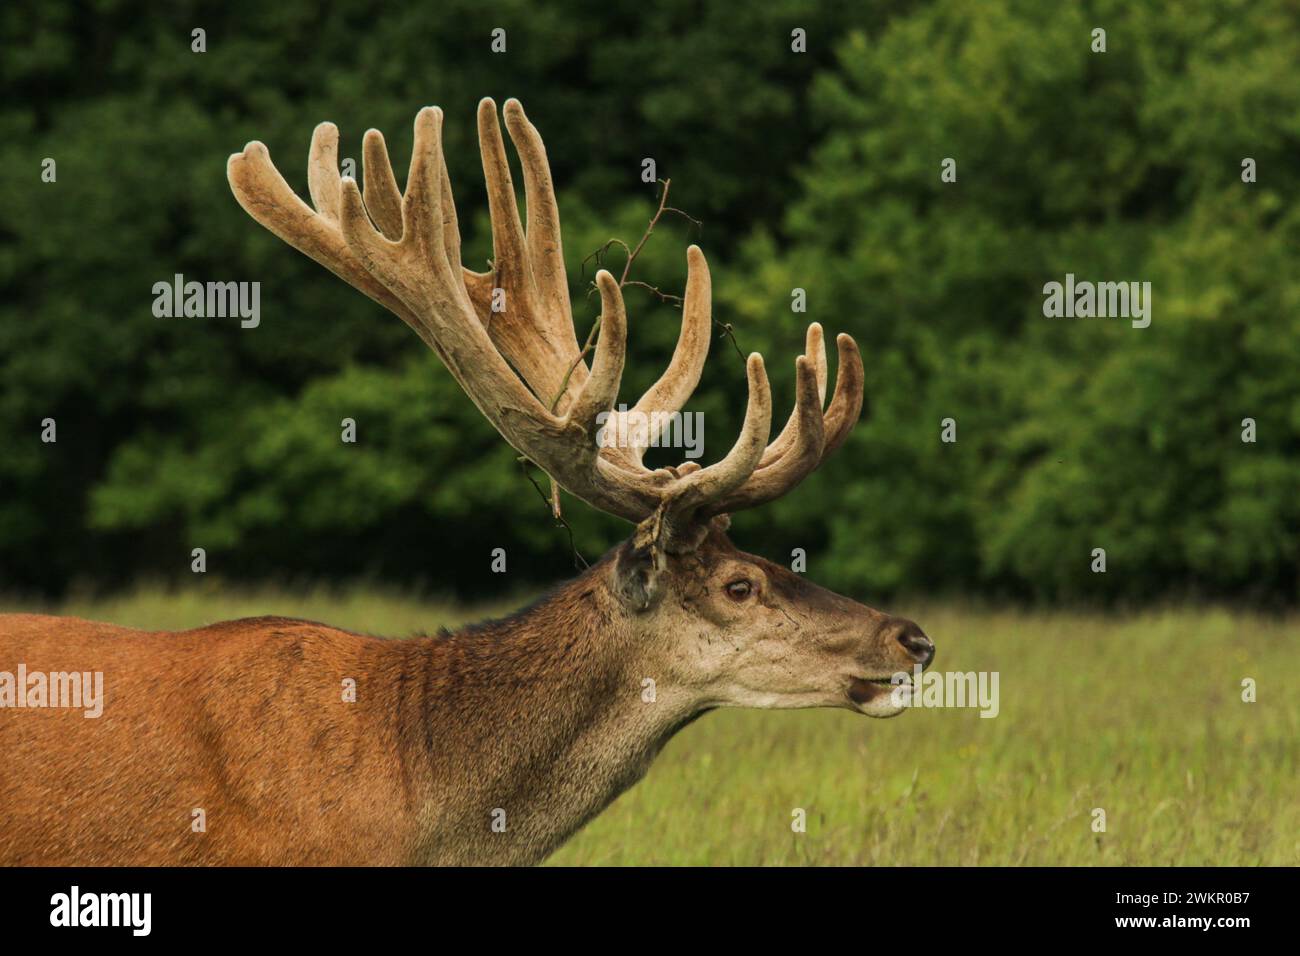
x: 728, y: 627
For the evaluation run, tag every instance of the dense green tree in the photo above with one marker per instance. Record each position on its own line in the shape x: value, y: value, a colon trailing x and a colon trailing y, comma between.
x: 818, y: 171
x: 1073, y: 434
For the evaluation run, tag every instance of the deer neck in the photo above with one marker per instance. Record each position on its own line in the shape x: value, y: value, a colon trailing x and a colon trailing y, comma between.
x: 552, y: 720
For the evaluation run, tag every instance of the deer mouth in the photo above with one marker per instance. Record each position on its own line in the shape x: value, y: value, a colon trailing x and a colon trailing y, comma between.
x: 874, y: 696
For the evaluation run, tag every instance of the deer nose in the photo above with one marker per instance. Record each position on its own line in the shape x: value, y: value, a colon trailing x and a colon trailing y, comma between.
x: 914, y: 641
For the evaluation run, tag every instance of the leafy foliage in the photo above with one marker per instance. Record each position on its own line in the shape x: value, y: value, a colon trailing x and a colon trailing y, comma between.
x: 818, y: 171
x: 1073, y: 434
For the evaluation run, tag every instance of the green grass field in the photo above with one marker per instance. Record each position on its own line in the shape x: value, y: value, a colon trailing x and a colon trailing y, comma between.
x: 1140, y: 715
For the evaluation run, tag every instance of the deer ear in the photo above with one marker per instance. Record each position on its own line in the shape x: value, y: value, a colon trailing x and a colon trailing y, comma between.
x: 636, y: 575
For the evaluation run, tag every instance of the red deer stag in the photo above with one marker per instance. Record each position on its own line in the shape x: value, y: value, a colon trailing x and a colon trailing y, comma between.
x: 495, y: 743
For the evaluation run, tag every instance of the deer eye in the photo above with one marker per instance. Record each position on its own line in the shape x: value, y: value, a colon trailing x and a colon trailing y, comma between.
x: 739, y: 590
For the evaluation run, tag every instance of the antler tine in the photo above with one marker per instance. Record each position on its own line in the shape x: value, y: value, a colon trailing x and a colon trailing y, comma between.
x: 809, y: 436
x: 450, y: 224
x: 383, y: 200
x: 545, y: 250
x: 382, y: 197
x: 415, y: 266
x: 264, y: 195
x: 601, y: 389
x: 721, y: 478
x: 678, y: 382
x: 815, y: 351
x: 799, y: 460
x: 538, y: 339
x: 323, y: 170
x: 509, y: 256
x: 846, y: 404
